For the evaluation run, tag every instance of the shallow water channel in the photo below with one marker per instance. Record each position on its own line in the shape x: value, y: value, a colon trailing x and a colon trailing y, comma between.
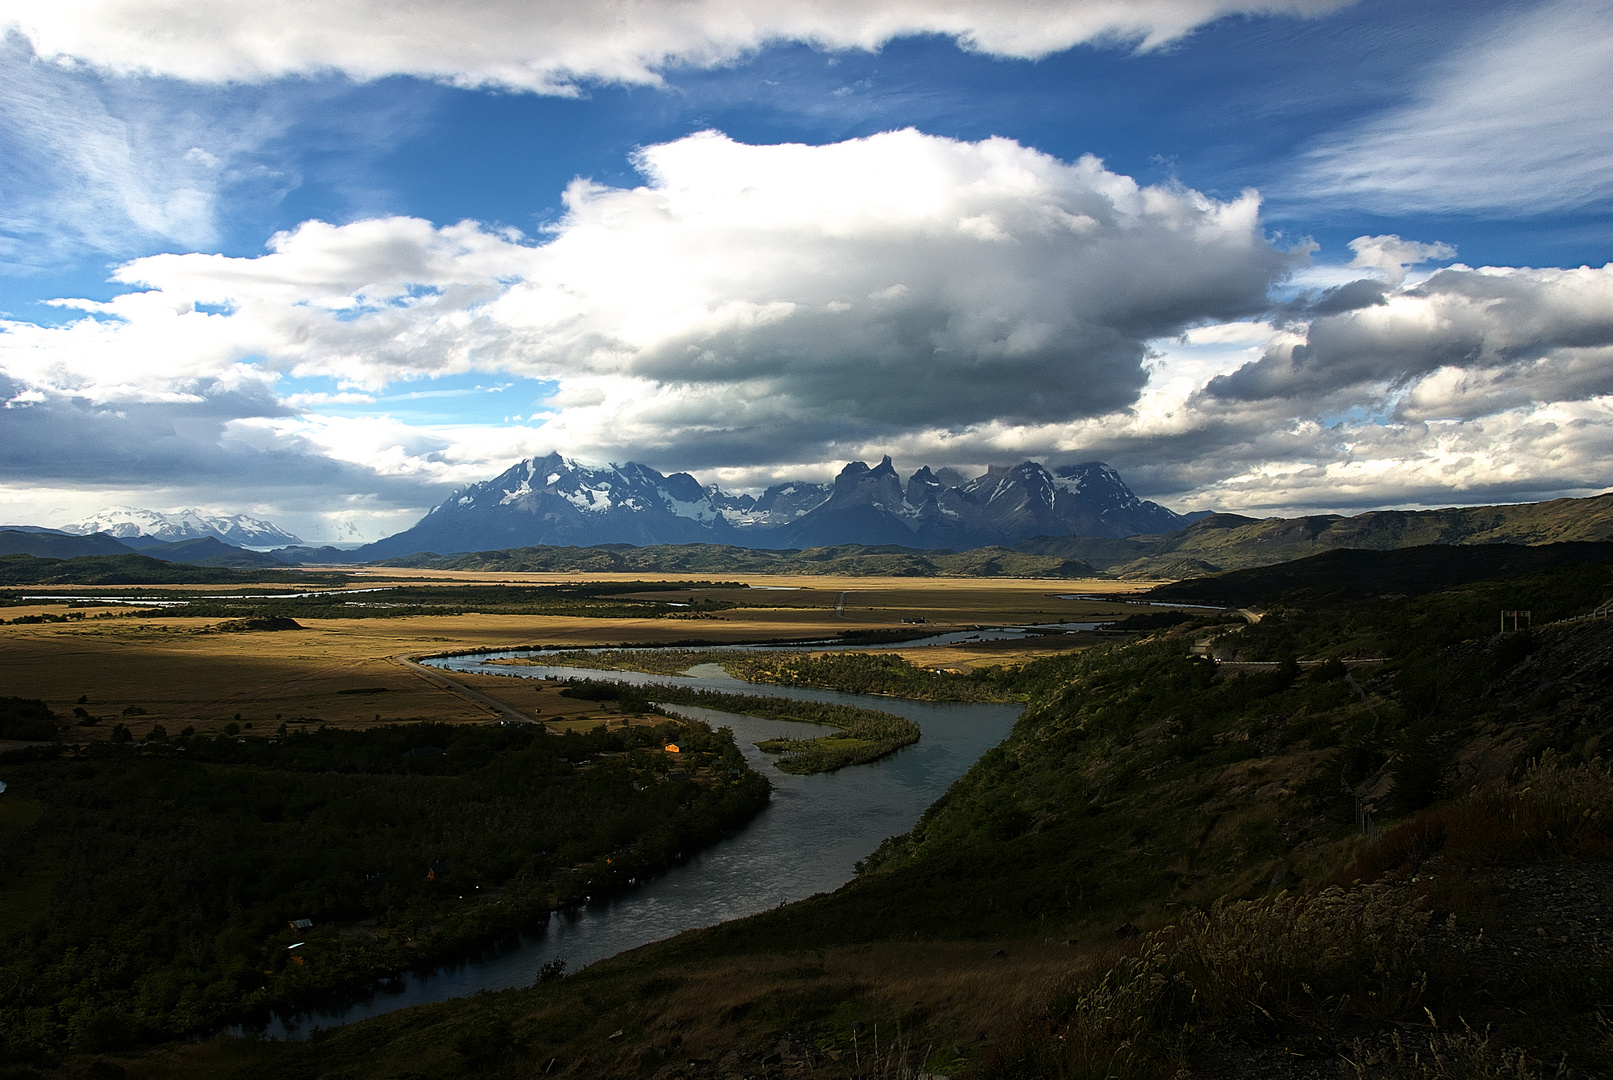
x: 805, y: 841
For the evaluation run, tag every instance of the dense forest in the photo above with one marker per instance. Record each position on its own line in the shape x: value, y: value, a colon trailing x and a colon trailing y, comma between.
x: 153, y: 891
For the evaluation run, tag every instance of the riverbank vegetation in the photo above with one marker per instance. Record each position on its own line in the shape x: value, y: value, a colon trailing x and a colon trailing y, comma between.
x: 154, y: 889
x: 883, y: 674
x: 864, y: 735
x: 599, y: 600
x: 847, y: 560
x: 596, y: 600
x: 26, y: 719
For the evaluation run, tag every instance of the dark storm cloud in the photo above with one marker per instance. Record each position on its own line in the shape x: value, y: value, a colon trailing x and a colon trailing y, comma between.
x: 1476, y: 320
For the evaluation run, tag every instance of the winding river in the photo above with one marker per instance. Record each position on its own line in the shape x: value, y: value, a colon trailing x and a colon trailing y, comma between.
x: 805, y: 841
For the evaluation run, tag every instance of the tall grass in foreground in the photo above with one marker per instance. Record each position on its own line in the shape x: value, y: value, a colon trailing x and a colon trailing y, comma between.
x: 1237, y: 967
x: 1554, y: 812
x: 1308, y: 963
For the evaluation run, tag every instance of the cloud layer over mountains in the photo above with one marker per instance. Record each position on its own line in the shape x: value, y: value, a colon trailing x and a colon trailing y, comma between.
x: 766, y: 304
x: 753, y: 312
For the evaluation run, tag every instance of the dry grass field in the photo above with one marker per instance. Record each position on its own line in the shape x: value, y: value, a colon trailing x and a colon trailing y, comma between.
x: 180, y: 672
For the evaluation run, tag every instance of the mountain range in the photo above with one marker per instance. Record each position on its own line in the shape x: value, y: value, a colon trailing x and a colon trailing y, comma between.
x: 554, y: 513
x: 128, y: 523
x: 557, y: 501
x: 202, y: 551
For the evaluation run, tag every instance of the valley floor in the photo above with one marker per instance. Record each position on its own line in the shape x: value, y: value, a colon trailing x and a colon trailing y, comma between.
x: 1401, y: 869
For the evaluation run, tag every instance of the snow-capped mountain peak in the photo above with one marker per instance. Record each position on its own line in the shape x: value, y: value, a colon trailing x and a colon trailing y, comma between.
x: 131, y: 521
x: 559, y: 501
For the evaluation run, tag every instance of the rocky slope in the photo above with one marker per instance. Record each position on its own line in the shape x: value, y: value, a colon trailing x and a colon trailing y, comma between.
x: 1001, y: 507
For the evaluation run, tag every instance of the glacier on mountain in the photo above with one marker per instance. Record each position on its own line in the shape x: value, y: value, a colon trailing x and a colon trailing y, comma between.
x: 559, y: 501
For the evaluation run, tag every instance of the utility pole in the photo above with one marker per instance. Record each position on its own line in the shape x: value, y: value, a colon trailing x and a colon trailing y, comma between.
x: 1515, y: 616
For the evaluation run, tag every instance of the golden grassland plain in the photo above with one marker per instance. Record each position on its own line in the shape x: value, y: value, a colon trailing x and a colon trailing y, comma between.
x: 179, y: 672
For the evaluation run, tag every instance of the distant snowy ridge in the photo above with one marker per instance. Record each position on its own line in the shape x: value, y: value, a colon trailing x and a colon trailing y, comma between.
x: 127, y: 522
x: 556, y: 500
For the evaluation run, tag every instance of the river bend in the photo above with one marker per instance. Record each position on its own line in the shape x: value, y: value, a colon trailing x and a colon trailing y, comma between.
x: 805, y: 841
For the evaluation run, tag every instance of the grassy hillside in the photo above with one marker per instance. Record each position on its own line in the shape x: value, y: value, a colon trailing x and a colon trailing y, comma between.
x: 1264, y: 870
x: 855, y: 560
x: 1411, y: 571
x: 1231, y: 542
x: 211, y: 551
x: 51, y: 545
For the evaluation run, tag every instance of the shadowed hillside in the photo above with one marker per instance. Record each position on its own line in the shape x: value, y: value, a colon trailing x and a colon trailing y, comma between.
x: 1231, y: 542
x: 1409, y: 570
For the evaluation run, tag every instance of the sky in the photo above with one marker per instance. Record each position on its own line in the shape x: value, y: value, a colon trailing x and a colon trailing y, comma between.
x: 323, y: 262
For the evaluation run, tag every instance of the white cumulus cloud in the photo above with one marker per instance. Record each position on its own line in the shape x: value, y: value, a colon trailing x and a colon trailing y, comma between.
x: 549, y: 46
x: 759, y: 312
x: 1391, y: 256
x: 745, y: 301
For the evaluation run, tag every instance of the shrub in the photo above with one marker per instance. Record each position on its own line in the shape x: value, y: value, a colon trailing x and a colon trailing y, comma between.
x: 26, y: 718
x: 1555, y: 811
x: 1317, y: 960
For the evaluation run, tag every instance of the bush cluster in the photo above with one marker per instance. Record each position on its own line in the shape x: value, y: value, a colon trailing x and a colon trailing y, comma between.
x: 162, y: 880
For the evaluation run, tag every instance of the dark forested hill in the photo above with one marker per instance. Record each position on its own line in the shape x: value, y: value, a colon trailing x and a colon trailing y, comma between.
x: 1232, y: 542
x: 1408, y: 571
x: 138, y: 570
x: 46, y: 544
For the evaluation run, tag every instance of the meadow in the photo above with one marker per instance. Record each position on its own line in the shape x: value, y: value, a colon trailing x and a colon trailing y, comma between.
x: 180, y: 670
